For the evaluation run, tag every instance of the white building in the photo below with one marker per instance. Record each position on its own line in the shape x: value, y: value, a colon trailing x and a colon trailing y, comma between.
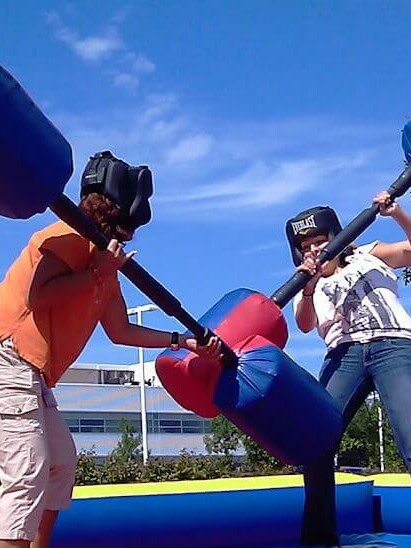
x: 95, y: 398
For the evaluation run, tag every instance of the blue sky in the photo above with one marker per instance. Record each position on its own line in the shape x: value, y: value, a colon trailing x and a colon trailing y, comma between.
x: 246, y: 111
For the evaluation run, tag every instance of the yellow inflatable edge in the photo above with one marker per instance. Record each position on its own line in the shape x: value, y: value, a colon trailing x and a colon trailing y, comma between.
x: 202, y: 486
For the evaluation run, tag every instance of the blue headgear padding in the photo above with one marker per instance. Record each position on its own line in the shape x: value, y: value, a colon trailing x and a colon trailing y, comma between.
x: 36, y: 160
x: 130, y: 187
x: 313, y: 221
x: 406, y: 141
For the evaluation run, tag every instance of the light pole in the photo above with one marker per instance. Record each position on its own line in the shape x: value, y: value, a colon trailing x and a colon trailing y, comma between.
x: 381, y: 437
x: 138, y: 313
x: 380, y: 431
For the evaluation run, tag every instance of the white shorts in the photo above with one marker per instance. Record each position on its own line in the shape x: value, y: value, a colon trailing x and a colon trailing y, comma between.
x: 37, y: 453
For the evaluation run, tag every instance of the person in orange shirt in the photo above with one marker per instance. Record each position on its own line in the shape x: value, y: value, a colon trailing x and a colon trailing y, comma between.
x: 51, y: 300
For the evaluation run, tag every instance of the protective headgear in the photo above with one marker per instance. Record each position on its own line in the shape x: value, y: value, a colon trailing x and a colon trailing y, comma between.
x: 128, y: 186
x: 311, y: 222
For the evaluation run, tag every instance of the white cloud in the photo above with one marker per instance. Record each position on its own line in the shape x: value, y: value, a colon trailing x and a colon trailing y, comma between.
x: 139, y: 62
x: 165, y: 130
x: 126, y: 81
x: 126, y: 65
x: 95, y: 48
x: 262, y: 185
x: 188, y: 149
x: 90, y: 48
x: 209, y: 180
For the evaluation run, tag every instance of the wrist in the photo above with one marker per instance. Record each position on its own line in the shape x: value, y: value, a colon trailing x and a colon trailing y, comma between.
x: 182, y: 341
x: 308, y: 293
x: 402, y: 218
x: 397, y: 213
x: 175, y: 341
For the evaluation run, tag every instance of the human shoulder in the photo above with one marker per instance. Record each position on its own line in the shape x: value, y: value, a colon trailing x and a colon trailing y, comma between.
x: 64, y: 242
x: 53, y: 230
x: 365, y: 249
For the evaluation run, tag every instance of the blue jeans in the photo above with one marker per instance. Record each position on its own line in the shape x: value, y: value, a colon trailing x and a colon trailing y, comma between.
x: 349, y: 373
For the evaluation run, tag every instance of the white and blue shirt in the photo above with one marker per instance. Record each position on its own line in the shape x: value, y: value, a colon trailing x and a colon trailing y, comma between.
x: 360, y: 302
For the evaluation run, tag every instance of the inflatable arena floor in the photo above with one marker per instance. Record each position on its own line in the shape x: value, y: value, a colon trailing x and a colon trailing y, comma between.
x: 264, y: 511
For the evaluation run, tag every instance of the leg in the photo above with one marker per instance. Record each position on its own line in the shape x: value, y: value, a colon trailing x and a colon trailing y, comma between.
x: 346, y: 380
x: 24, y: 465
x: 43, y: 536
x: 63, y: 460
x: 391, y: 370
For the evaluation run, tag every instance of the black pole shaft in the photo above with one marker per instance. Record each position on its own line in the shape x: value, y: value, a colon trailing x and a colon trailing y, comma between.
x: 66, y: 210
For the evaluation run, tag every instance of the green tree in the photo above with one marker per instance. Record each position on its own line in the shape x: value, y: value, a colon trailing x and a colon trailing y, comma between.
x: 87, y: 471
x: 224, y: 438
x: 129, y: 446
x: 359, y: 446
x: 392, y: 460
x: 258, y: 460
x: 124, y: 464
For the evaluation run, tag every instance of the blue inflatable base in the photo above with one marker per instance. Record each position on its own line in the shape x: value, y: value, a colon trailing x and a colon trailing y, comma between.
x: 241, y: 518
x: 370, y: 540
x: 238, y: 512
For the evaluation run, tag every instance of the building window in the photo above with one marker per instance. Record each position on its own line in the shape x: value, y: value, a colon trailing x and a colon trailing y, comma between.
x: 153, y: 422
x: 92, y: 425
x: 73, y: 424
x: 167, y: 423
x: 193, y: 427
x: 117, y: 377
x: 115, y: 425
x: 170, y: 426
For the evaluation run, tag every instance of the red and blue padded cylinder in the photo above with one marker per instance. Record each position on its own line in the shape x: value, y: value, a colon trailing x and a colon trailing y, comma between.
x: 191, y: 380
x: 278, y: 403
x: 36, y: 160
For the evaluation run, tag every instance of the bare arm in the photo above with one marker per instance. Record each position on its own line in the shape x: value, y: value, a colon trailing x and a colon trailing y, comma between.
x: 120, y: 331
x: 53, y: 282
x: 398, y: 254
x: 116, y: 324
x: 305, y: 315
x: 395, y: 255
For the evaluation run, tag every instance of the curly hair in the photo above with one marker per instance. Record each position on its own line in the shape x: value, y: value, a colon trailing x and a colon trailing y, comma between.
x: 106, y: 214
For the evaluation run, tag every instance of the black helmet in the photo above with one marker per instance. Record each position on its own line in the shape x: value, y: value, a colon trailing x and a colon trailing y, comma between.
x: 128, y: 186
x: 313, y: 221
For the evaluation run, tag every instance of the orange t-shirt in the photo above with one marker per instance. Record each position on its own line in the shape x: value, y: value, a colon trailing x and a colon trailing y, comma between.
x: 52, y: 338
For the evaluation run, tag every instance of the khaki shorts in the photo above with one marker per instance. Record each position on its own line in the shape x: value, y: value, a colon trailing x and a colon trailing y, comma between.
x: 37, y: 452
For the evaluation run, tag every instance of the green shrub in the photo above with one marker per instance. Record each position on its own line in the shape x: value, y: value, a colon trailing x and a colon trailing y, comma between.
x: 87, y: 471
